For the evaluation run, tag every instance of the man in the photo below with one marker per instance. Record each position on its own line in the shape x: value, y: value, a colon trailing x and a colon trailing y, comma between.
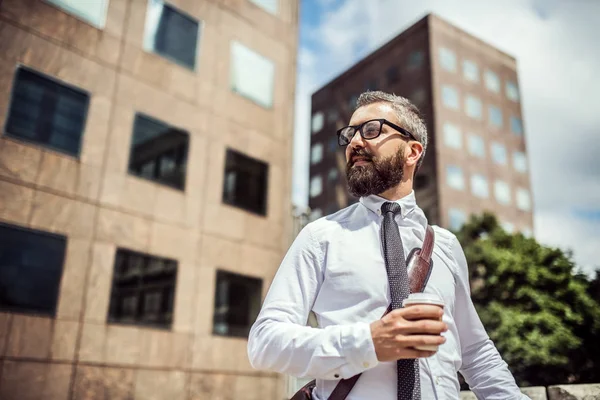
x: 337, y: 269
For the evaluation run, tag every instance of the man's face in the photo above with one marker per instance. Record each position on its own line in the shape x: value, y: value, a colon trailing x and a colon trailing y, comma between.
x: 376, y: 165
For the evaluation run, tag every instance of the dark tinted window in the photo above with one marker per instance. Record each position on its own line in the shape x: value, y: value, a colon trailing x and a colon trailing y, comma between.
x: 158, y: 152
x: 245, y: 183
x: 143, y: 289
x: 237, y: 303
x: 175, y: 35
x: 47, y: 112
x: 31, y: 265
x: 392, y: 75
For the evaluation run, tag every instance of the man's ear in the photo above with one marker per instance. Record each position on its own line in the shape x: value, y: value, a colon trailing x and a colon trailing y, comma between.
x: 415, y: 149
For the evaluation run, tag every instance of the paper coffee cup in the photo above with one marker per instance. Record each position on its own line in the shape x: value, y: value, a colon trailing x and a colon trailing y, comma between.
x: 423, y: 298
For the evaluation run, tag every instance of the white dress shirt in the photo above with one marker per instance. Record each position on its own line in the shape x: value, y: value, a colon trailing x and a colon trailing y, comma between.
x: 335, y: 268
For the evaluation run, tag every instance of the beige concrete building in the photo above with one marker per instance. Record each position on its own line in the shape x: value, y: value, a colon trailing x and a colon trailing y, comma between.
x: 145, y: 181
x: 468, y: 93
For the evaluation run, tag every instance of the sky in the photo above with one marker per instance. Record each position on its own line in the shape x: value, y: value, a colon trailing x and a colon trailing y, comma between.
x: 556, y: 46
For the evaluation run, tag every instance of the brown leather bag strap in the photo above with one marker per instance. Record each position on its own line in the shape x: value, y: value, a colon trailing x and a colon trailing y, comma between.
x: 418, y: 280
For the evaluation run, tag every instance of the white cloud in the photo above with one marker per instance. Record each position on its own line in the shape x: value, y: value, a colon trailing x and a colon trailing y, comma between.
x: 558, y: 61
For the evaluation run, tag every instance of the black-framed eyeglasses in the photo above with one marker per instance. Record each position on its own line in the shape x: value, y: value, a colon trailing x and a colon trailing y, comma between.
x: 369, y: 130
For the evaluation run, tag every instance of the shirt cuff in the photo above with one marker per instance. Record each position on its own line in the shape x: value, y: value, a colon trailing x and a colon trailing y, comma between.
x: 358, y: 349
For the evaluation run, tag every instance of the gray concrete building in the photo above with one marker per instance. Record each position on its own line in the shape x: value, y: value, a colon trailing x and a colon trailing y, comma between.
x: 469, y: 95
x: 145, y: 181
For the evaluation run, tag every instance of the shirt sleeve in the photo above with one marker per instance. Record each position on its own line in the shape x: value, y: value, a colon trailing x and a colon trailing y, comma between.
x: 483, y: 368
x: 280, y: 341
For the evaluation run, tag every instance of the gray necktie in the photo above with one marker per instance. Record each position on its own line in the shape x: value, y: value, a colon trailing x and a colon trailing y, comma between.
x: 409, y: 384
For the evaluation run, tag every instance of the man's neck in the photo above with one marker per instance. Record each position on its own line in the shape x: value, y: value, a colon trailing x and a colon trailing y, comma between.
x: 399, y: 191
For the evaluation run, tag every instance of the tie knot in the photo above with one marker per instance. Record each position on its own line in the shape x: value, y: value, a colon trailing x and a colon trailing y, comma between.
x: 389, y: 206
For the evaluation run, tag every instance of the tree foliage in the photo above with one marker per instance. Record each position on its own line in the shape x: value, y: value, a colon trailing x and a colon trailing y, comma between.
x: 543, y: 317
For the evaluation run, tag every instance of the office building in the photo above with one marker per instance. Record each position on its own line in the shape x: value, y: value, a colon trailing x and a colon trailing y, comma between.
x: 469, y: 96
x: 145, y: 181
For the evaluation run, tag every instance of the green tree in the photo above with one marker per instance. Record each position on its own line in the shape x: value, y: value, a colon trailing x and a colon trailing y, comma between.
x: 537, y: 310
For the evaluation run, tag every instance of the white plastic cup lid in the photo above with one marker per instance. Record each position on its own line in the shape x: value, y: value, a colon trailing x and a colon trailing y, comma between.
x: 423, y: 298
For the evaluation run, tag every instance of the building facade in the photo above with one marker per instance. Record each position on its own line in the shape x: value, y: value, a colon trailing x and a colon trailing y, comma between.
x: 145, y: 205
x: 468, y: 94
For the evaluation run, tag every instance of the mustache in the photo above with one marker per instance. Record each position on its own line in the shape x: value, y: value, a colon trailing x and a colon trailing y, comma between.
x: 360, y: 153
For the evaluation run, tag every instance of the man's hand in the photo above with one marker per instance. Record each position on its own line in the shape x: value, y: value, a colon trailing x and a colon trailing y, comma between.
x: 396, y: 334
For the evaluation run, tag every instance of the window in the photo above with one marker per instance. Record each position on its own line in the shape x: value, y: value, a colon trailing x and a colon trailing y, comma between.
x: 495, y: 116
x: 454, y: 176
x: 418, y: 97
x: 143, y: 289
x: 317, y: 122
x: 527, y: 232
x: 508, y: 227
x: 332, y: 175
x: 316, y: 186
x: 523, y: 199
x: 252, y: 75
x: 470, y: 71
x: 499, y: 153
x: 512, y: 91
x: 502, y: 192
x: 171, y: 33
x: 450, y: 97
x: 452, y: 136
x: 93, y: 12
x: 246, y: 182
x: 268, y: 5
x: 473, y: 106
x: 352, y: 102
x: 316, y: 153
x: 332, y: 116
x: 315, y: 214
x: 46, y: 112
x: 332, y: 144
x: 415, y: 59
x: 158, y: 152
x: 492, y: 82
x: 457, y: 219
x: 516, y: 126
x: 31, y: 265
x: 447, y: 59
x: 371, y: 85
x: 237, y: 304
x: 479, y: 186
x: 476, y: 146
x: 421, y: 181
x: 392, y: 75
x: 520, y: 161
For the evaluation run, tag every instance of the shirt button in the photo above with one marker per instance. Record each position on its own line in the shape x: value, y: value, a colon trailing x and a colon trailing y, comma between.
x: 366, y: 364
x: 336, y: 376
x: 437, y: 380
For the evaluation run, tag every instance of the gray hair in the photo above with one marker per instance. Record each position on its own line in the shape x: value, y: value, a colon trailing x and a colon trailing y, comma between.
x: 408, y: 114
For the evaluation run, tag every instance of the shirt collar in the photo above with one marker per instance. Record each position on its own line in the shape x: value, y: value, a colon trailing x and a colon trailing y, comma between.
x: 374, y: 203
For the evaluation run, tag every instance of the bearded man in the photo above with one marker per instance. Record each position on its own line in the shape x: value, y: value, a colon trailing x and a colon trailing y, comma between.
x: 340, y: 269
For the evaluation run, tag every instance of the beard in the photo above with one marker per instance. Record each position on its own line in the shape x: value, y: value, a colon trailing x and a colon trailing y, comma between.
x: 376, y: 177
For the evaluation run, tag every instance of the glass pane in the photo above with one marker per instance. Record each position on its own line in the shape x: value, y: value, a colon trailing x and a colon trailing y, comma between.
x: 454, y: 176
x: 415, y: 59
x: 317, y: 122
x: 251, y: 74
x: 470, y: 71
x: 268, y: 5
x: 502, y: 192
x: 476, y: 146
x: 520, y: 161
x: 457, y: 218
x: 499, y: 153
x: 92, y: 11
x: 316, y: 186
x: 316, y: 153
x: 492, y: 82
x: 473, y: 105
x: 495, y: 116
x: 31, y: 264
x: 479, y: 186
x: 158, y: 152
x: 523, y: 199
x: 512, y: 91
x: 171, y: 33
x: 448, y: 59
x: 47, y: 112
x: 452, y: 136
x: 516, y: 126
x: 450, y: 97
x: 246, y: 182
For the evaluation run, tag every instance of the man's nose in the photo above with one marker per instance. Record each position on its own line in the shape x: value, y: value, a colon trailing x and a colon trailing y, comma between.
x: 357, y: 140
